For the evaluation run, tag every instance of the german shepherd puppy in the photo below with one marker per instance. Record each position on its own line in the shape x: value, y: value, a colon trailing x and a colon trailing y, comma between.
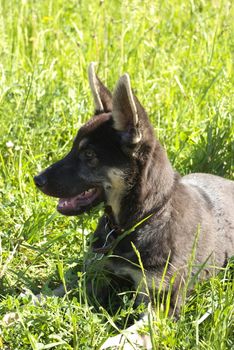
x: 149, y: 208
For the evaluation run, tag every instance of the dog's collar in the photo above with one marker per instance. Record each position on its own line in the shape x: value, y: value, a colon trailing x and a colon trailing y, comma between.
x: 110, y: 220
x: 115, y: 233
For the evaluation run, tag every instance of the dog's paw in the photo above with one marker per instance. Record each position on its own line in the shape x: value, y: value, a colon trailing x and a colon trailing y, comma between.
x: 133, y: 341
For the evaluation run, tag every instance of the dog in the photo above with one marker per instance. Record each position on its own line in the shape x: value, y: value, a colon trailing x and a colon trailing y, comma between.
x: 152, y: 214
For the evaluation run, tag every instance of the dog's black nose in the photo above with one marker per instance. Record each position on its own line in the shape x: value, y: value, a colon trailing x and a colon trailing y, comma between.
x: 40, y: 180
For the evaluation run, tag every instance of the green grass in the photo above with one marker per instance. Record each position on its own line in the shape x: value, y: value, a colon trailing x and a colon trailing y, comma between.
x: 179, y: 55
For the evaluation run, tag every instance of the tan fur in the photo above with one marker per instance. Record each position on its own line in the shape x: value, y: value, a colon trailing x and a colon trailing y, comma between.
x: 115, y: 190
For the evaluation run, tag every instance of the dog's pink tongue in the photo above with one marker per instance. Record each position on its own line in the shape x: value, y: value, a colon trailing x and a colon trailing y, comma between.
x: 67, y: 203
x: 81, y: 199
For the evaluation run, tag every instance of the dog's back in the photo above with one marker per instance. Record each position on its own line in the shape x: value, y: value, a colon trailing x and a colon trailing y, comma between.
x: 203, y: 221
x: 218, y: 193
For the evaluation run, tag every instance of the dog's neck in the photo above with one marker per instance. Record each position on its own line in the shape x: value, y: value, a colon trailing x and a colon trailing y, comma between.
x: 151, y: 192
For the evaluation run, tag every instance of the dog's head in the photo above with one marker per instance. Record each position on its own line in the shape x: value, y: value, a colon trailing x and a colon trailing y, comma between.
x: 106, y: 155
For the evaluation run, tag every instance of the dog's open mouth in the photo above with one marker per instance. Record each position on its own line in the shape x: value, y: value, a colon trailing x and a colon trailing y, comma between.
x: 80, y: 203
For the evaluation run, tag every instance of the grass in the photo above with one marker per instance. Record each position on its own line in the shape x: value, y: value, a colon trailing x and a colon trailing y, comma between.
x: 179, y: 55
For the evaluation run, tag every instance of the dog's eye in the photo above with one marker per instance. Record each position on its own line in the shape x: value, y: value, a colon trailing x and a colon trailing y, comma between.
x: 89, y: 153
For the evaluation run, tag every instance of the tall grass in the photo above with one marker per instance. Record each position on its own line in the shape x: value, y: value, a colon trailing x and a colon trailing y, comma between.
x: 179, y: 55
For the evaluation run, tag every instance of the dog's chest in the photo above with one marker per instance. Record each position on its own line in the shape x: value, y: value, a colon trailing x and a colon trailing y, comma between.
x: 125, y: 270
x: 141, y: 247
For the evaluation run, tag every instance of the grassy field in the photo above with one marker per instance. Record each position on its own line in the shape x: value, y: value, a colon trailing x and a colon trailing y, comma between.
x: 179, y: 55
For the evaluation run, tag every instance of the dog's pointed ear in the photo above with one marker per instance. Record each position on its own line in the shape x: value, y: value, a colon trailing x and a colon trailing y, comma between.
x: 125, y: 112
x: 101, y: 95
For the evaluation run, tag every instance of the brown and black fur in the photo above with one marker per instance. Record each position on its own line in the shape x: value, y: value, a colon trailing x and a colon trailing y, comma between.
x: 117, y: 153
